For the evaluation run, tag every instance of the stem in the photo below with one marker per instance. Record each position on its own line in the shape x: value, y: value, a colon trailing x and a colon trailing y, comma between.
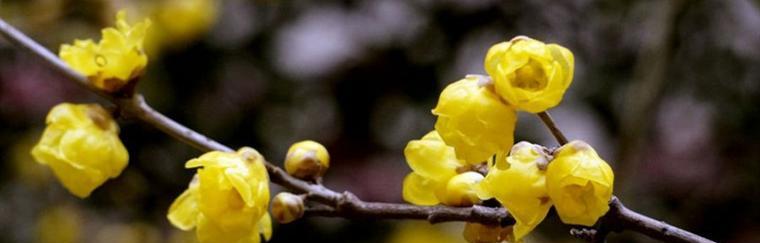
x: 549, y: 122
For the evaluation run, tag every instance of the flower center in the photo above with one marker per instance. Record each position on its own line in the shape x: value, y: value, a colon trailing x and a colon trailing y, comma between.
x: 530, y: 77
x: 100, y: 60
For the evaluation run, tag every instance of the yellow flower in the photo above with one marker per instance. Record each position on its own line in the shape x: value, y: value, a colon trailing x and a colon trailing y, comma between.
x: 180, y: 21
x: 114, y: 61
x: 81, y: 144
x: 460, y: 190
x: 580, y: 184
x: 307, y: 160
x: 417, y: 231
x: 529, y: 74
x: 435, y: 174
x: 228, y: 199
x: 519, y: 184
x: 474, y: 120
x: 479, y: 233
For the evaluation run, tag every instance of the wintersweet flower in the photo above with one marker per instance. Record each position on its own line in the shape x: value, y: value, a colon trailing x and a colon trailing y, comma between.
x: 474, y: 120
x: 519, y: 184
x: 434, y: 169
x: 115, y: 60
x: 228, y: 199
x: 81, y: 145
x: 530, y: 75
x: 307, y: 160
x: 579, y: 183
x: 479, y: 233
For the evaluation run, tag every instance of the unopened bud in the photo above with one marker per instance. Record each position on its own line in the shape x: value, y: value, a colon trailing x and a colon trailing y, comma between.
x: 460, y: 190
x: 287, y: 207
x: 307, y: 160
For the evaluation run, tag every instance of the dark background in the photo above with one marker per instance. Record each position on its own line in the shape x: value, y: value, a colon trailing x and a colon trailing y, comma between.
x: 666, y: 91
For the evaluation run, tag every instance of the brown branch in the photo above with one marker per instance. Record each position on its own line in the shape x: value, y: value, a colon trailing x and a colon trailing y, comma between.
x: 549, y: 122
x: 344, y: 205
x: 351, y: 207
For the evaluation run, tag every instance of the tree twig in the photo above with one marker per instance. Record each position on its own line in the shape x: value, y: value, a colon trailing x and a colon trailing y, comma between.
x: 549, y: 122
x: 346, y: 205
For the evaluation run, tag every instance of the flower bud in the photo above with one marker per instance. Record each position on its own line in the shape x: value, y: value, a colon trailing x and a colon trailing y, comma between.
x: 479, y: 233
x: 460, y: 190
x: 474, y: 120
x: 81, y: 144
x: 580, y: 184
x: 530, y: 75
x: 307, y: 160
x: 287, y: 207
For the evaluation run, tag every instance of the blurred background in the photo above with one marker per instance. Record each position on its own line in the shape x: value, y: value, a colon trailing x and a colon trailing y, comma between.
x: 668, y: 92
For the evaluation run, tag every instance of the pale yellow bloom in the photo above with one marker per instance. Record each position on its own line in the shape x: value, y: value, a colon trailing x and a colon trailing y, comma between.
x: 435, y: 176
x: 81, y: 144
x: 180, y: 21
x: 115, y: 60
x: 529, y: 74
x: 479, y: 233
x: 519, y: 185
x: 228, y: 200
x: 421, y: 232
x: 579, y: 183
x: 60, y: 224
x: 460, y: 189
x: 474, y: 120
x: 307, y: 160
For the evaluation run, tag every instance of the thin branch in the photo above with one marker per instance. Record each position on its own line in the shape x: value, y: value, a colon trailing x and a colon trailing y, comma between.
x: 353, y: 208
x: 346, y: 204
x: 549, y: 122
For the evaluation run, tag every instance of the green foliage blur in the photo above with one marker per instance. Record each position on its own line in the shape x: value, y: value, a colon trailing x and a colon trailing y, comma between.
x: 666, y: 91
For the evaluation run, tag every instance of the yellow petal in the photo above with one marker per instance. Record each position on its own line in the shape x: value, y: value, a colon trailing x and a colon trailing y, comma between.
x: 420, y: 191
x: 432, y: 158
x: 520, y: 187
x: 183, y: 212
x: 265, y: 226
x: 474, y: 120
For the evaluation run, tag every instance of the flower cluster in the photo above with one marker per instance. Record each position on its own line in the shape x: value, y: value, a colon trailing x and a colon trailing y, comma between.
x: 435, y: 178
x: 81, y: 144
x: 115, y: 60
x: 474, y: 131
x: 228, y: 199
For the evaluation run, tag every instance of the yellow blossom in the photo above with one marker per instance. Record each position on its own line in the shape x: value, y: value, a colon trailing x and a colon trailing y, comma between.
x: 580, y: 184
x: 530, y: 75
x: 519, y: 185
x: 81, y: 144
x: 228, y: 199
x: 435, y: 176
x: 115, y: 60
x: 180, y: 21
x: 460, y: 189
x: 418, y: 231
x: 474, y: 120
x: 307, y: 160
x: 479, y: 233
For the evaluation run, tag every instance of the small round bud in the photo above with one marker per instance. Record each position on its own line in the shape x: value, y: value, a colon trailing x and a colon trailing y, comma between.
x: 307, y: 160
x: 478, y: 233
x: 460, y: 190
x: 287, y: 207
